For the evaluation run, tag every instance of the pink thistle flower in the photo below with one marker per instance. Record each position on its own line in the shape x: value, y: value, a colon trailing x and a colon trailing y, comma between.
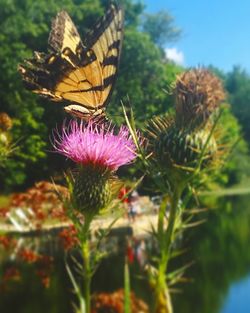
x: 94, y: 144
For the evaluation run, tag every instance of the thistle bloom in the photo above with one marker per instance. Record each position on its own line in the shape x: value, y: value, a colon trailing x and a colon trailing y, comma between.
x: 98, y: 151
x: 95, y: 145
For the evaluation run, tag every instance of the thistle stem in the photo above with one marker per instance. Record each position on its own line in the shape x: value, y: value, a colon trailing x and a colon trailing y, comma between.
x: 87, y: 276
x: 162, y: 297
x: 86, y: 263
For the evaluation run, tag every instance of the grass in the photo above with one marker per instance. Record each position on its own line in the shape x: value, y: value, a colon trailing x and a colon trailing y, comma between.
x: 4, y: 200
x: 239, y: 189
x: 227, y: 192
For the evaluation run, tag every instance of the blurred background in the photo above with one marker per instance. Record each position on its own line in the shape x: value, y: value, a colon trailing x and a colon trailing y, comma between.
x: 162, y: 39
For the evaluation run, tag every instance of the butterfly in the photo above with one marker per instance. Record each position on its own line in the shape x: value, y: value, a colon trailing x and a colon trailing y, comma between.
x: 80, y: 72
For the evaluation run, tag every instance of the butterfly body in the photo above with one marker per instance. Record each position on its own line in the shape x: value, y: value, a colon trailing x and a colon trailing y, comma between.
x: 82, y: 74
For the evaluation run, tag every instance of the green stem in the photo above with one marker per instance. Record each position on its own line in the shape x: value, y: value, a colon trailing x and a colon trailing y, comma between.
x: 87, y: 276
x: 127, y: 303
x: 162, y: 297
x: 86, y: 263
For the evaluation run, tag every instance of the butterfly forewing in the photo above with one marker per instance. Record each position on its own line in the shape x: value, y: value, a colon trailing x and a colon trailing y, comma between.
x: 64, y: 34
x: 106, y: 40
x: 81, y: 72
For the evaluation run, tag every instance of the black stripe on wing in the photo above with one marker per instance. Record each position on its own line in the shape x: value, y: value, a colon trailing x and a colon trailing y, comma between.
x: 107, y: 81
x: 47, y: 70
x: 62, y: 27
x: 103, y: 23
x: 106, y: 40
x: 45, y: 74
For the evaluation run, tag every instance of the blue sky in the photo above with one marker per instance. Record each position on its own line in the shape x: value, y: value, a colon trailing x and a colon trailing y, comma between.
x: 215, y: 32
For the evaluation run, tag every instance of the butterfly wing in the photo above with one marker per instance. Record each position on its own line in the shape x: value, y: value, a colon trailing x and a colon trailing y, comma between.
x: 105, y: 39
x: 82, y: 74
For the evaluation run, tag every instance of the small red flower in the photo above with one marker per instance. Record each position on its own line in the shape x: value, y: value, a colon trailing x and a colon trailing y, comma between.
x: 7, y: 242
x: 11, y: 273
x: 69, y: 238
x: 45, y: 278
x: 28, y: 256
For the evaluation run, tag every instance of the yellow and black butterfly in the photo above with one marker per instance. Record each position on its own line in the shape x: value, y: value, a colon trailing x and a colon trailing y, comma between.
x: 82, y: 73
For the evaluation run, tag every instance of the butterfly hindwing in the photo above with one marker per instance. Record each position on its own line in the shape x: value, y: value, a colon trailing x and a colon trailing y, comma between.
x: 80, y: 73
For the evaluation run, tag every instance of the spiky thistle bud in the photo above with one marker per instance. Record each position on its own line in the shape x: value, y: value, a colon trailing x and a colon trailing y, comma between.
x: 175, y: 149
x: 184, y: 147
x: 5, y: 122
x: 198, y: 93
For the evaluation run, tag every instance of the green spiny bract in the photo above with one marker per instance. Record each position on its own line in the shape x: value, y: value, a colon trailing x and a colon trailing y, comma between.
x: 91, y: 190
x: 172, y: 146
x: 183, y: 147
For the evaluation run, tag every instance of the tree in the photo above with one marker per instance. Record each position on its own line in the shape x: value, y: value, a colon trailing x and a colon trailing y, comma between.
x: 237, y: 84
x: 141, y: 76
x: 236, y: 165
x: 161, y: 28
x: 25, y: 26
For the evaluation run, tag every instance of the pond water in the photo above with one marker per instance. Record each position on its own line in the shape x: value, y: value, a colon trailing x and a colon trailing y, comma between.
x: 218, y: 281
x: 221, y: 251
x: 238, y: 297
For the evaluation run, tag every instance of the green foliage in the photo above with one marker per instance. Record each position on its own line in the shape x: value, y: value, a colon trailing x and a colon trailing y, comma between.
x: 144, y: 78
x: 25, y: 27
x: 160, y: 28
x: 236, y: 165
x: 238, y: 85
x: 234, y: 154
x: 235, y: 121
x: 141, y: 76
x: 232, y: 163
